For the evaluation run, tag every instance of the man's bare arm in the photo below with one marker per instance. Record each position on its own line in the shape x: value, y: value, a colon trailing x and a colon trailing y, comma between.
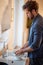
x: 21, y: 51
x: 28, y: 49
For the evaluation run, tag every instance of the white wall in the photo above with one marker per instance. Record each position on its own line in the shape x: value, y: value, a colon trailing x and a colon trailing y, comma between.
x: 18, y: 22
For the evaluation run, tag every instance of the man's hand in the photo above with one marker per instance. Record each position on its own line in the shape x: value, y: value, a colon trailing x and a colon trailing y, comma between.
x: 19, y: 52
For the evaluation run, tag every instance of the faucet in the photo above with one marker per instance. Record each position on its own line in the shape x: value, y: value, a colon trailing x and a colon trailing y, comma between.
x: 3, y: 52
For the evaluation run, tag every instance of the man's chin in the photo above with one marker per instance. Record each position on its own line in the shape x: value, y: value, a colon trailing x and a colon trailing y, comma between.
x: 29, y: 18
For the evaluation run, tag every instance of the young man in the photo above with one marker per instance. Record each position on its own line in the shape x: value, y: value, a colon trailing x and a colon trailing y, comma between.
x: 34, y: 45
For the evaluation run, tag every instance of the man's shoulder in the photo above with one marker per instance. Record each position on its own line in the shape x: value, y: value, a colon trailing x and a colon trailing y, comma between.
x: 39, y: 21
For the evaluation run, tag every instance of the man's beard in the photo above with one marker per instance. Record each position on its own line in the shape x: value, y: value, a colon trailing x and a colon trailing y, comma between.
x: 32, y: 17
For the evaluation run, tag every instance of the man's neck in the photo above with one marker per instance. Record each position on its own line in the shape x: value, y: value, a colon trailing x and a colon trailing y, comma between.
x: 35, y: 15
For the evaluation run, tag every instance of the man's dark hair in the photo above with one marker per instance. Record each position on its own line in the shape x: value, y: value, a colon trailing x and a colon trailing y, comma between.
x: 30, y: 5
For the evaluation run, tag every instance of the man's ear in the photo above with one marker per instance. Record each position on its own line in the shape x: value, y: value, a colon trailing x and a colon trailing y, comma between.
x: 33, y: 11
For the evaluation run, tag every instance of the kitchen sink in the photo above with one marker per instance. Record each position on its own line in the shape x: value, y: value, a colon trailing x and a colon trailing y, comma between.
x: 12, y: 59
